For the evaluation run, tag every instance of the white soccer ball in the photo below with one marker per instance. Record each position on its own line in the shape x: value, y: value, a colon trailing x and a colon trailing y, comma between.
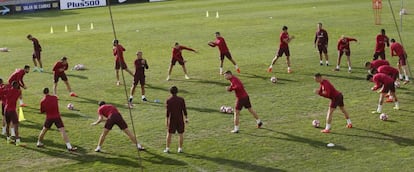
x: 70, y: 106
x: 229, y: 109
x: 79, y: 67
x: 316, y: 123
x: 397, y: 84
x: 273, y: 79
x: 383, y: 117
x: 223, y: 109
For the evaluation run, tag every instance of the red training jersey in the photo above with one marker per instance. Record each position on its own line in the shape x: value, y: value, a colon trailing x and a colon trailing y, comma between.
x: 381, y: 40
x: 385, y: 69
x: 107, y: 110
x: 12, y: 95
x: 375, y: 64
x: 284, y: 37
x: 343, y: 44
x: 176, y: 52
x: 397, y: 49
x: 327, y: 90
x: 238, y: 87
x: 49, y: 105
x: 176, y: 108
x: 3, y: 89
x: 321, y: 37
x: 140, y: 67
x: 60, y: 68
x: 36, y: 45
x: 381, y: 79
x: 118, y: 52
x: 17, y: 76
x: 221, y: 43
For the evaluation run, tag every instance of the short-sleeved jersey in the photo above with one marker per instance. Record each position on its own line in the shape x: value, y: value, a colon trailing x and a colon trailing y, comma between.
x: 118, y: 52
x: 3, y: 89
x: 377, y: 63
x: 283, y: 36
x: 385, y: 69
x: 221, y: 43
x: 321, y: 37
x: 176, y: 52
x: 140, y: 67
x: 49, y: 105
x: 237, y: 87
x: 107, y: 110
x: 36, y: 45
x: 381, y: 79
x: 344, y: 43
x: 58, y: 66
x: 381, y: 40
x: 17, y: 76
x: 176, y: 108
x: 12, y: 95
x: 327, y: 90
x: 397, y: 49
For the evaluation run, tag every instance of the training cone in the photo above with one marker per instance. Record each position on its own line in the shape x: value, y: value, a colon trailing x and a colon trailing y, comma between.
x: 217, y: 15
x: 66, y: 28
x: 207, y: 14
x: 51, y: 29
x: 78, y: 28
x: 21, y: 115
x: 91, y: 26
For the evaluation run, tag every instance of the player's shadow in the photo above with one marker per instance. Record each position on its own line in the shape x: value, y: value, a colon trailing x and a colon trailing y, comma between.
x: 353, y: 77
x: 77, y: 76
x: 167, y: 89
x: 30, y: 124
x: 158, y: 159
x: 202, y: 81
x: 241, y: 165
x: 402, y: 141
x: 199, y: 109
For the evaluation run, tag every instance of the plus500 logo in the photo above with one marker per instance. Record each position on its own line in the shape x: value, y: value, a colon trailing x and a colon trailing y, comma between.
x: 82, y: 4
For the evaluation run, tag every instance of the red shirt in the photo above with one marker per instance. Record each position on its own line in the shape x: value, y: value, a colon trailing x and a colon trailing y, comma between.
x: 176, y: 52
x: 381, y: 40
x: 238, y: 87
x: 321, y: 37
x: 397, y: 49
x: 381, y: 79
x: 140, y: 67
x: 12, y: 95
x: 343, y: 44
x: 176, y: 108
x: 118, y: 51
x: 375, y: 64
x: 60, y: 66
x: 49, y: 105
x: 17, y: 76
x: 3, y: 89
x: 327, y: 90
x: 221, y: 43
x: 107, y: 110
x: 36, y: 45
x: 385, y: 69
x: 283, y: 37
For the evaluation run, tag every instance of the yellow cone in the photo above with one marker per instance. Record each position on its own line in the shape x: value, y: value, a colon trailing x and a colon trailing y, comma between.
x: 66, y: 28
x: 91, y: 26
x: 217, y: 15
x: 207, y: 14
x: 78, y: 28
x: 21, y: 115
x: 51, y: 29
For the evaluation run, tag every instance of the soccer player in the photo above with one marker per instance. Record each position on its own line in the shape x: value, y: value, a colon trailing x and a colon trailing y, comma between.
x: 390, y: 71
x: 59, y: 72
x: 321, y: 40
x: 178, y: 57
x: 36, y: 53
x: 381, y: 40
x: 3, y: 101
x: 327, y: 90
x: 18, y: 77
x: 113, y: 117
x: 386, y: 83
x: 118, y: 51
x: 175, y: 118
x: 343, y: 47
x: 375, y: 64
x: 283, y: 49
x: 224, y: 51
x: 242, y: 100
x: 398, y: 50
x: 49, y: 105
x: 139, y: 77
x: 10, y: 112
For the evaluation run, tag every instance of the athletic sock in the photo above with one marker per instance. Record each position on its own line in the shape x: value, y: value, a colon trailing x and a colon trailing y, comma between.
x: 98, y: 147
x: 143, y: 96
x: 288, y: 68
x: 21, y: 101
x: 39, y: 143
x: 327, y: 62
x: 349, y: 68
x: 328, y: 127
x: 401, y: 76
x: 337, y: 66
x: 379, y: 109
x: 17, y: 140
x: 271, y: 66
x: 12, y: 132
x: 236, y: 66
x: 69, y: 146
x: 397, y: 104
x: 406, y: 78
x: 321, y: 62
x: 258, y: 121
x: 348, y: 121
x: 236, y: 127
x: 139, y: 146
x: 3, y: 130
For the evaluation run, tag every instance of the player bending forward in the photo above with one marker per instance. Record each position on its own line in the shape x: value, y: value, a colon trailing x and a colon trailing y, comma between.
x: 386, y: 84
x: 327, y: 90
x: 113, y: 117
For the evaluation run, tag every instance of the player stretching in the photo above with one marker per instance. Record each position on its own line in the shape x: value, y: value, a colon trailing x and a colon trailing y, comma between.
x: 398, y: 50
x: 343, y: 47
x: 381, y: 40
x: 327, y: 90
x: 321, y: 40
x: 3, y: 88
x: 390, y: 71
x: 49, y: 105
x: 36, y: 53
x: 242, y: 100
x: 386, y: 83
x: 224, y: 52
x: 139, y: 77
x: 177, y: 56
x: 113, y: 117
x: 59, y: 72
x: 118, y: 51
x: 283, y: 49
x: 12, y: 94
x: 18, y: 77
x: 176, y: 116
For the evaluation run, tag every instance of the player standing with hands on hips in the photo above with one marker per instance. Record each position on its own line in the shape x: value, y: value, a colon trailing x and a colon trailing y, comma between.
x: 224, y: 52
x: 283, y: 49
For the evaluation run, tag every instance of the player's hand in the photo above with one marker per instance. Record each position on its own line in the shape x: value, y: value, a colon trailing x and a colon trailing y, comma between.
x: 186, y: 120
x: 143, y: 61
x: 94, y: 123
x: 316, y: 91
x: 24, y: 87
x: 228, y: 88
x: 374, y: 88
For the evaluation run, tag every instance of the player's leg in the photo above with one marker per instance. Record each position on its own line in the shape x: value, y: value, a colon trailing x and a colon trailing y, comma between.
x: 221, y: 63
x: 129, y: 71
x: 68, y: 86
x: 397, y: 104
x: 320, y: 57
x: 143, y: 92
x: 236, y: 120
x: 167, y: 142
x: 41, y: 136
x: 348, y: 59
x: 117, y: 77
x: 346, y: 115
x: 133, y: 138
x: 380, y: 102
x: 375, y: 56
x: 40, y: 63
x: 34, y: 62
x: 170, y: 69
x: 288, y: 64
x: 102, y: 139
x: 277, y: 56
x: 325, y: 52
x: 180, y: 142
x: 338, y: 62
x: 405, y: 70
x: 66, y: 139
x: 185, y: 71
x: 132, y: 92
x: 328, y: 120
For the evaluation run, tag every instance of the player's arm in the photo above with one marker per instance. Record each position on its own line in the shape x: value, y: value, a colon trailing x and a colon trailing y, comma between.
x: 393, y: 53
x: 100, y: 119
x: 42, y: 107
x: 316, y: 39
x: 338, y: 46
x: 185, y: 112
x: 212, y: 44
x: 167, y: 117
x: 187, y: 48
x: 353, y: 39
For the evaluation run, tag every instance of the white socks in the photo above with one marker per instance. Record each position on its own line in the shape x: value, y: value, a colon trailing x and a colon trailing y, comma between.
x: 348, y: 121
x: 12, y: 132
x: 236, y: 128
x: 328, y: 127
x: 379, y: 109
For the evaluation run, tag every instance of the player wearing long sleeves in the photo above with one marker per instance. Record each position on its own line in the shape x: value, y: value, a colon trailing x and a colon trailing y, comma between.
x: 139, y: 77
x: 178, y: 57
x: 321, y: 41
x: 343, y: 47
x: 37, y: 49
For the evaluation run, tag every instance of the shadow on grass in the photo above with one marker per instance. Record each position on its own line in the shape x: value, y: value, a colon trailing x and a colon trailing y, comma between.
x: 77, y: 76
x: 209, y: 110
x: 158, y: 159
x: 166, y: 89
x: 402, y: 141
x: 346, y: 77
x: 233, y: 163
x: 30, y: 124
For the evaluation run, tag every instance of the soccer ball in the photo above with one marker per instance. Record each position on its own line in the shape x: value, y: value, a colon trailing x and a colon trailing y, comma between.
x: 316, y: 123
x: 229, y: 109
x: 383, y: 117
x: 79, y: 67
x: 223, y: 109
x: 397, y: 84
x: 273, y: 79
x: 70, y: 106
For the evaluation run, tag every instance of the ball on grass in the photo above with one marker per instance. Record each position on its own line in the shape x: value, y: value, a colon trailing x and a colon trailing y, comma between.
x: 229, y: 110
x: 70, y: 106
x: 383, y: 117
x: 273, y: 79
x: 223, y: 109
x: 316, y: 123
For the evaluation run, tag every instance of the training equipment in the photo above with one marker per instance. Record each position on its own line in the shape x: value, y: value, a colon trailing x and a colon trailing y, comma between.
x: 273, y: 79
x: 383, y: 117
x: 156, y: 101
x: 223, y: 109
x: 51, y: 29
x: 316, y: 123
x: 79, y: 67
x: 70, y: 106
x: 229, y: 109
x: 21, y: 114
x: 330, y: 145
